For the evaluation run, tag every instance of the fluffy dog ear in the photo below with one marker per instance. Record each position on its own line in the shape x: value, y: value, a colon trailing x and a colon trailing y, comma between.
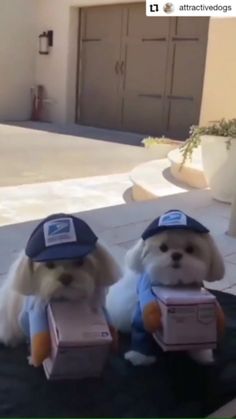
x: 217, y: 267
x: 20, y: 275
x: 108, y: 269
x: 134, y: 257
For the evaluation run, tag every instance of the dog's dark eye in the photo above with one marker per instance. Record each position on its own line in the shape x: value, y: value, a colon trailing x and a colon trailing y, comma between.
x: 189, y: 249
x: 164, y: 247
x: 50, y: 265
x: 78, y: 262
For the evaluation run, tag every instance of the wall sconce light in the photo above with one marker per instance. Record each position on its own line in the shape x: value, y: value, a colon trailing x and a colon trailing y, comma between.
x: 45, y: 42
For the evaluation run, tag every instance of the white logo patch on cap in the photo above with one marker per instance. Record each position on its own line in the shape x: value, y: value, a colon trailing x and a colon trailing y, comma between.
x: 173, y: 218
x: 59, y: 231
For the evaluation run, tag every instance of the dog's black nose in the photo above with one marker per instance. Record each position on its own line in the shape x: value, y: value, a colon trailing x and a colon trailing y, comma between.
x: 65, y: 279
x: 176, y: 256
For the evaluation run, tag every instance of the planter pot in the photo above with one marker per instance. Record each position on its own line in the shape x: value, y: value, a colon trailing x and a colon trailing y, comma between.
x: 219, y: 166
x: 161, y: 151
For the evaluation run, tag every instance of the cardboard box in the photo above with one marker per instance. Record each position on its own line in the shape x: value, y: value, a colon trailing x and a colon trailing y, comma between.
x: 188, y: 319
x: 80, y: 341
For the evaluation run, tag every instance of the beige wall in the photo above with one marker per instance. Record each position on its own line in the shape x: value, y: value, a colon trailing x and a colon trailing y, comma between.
x: 219, y: 92
x: 52, y: 69
x: 17, y: 57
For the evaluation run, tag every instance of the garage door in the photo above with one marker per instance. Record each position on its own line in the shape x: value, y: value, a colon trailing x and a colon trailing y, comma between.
x: 140, y: 74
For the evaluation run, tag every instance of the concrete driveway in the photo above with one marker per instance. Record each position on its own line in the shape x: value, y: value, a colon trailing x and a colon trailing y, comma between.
x: 33, y: 153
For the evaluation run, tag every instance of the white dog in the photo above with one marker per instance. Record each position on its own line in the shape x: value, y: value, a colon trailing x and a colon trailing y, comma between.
x: 172, y: 255
x: 86, y: 277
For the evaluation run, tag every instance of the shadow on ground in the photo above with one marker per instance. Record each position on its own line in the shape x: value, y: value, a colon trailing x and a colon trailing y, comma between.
x: 76, y: 130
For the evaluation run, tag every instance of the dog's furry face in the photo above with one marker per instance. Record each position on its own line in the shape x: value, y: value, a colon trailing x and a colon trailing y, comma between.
x: 176, y: 257
x: 70, y: 279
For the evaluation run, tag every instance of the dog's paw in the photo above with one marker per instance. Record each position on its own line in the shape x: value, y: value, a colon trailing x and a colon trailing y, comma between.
x: 136, y: 358
x: 202, y: 357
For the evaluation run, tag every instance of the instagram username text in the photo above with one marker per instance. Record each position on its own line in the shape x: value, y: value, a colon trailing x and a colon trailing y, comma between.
x: 198, y: 8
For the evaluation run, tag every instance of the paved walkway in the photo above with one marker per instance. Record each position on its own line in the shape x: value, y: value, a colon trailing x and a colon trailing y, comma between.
x: 38, y: 200
x: 34, y: 153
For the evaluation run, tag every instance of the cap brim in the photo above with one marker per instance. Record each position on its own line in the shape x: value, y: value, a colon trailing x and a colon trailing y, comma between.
x: 65, y: 252
x: 196, y: 229
x: 154, y: 232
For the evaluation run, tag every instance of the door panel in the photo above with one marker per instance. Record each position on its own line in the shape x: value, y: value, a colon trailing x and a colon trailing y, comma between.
x: 142, y: 115
x: 145, y: 44
x: 185, y: 74
x: 180, y: 116
x: 191, y: 27
x: 145, y: 68
x: 102, y: 22
x: 99, y: 101
x: 138, y: 25
x: 144, y: 86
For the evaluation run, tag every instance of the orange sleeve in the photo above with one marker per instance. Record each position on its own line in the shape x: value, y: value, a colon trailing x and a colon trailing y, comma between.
x: 40, y: 348
x: 152, y: 317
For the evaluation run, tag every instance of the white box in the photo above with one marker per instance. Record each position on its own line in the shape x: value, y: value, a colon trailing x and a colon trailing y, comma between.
x: 80, y: 341
x: 188, y: 318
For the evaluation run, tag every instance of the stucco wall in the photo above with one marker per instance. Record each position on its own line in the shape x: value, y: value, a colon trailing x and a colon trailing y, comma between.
x: 18, y: 45
x: 51, y: 70
x: 219, y: 98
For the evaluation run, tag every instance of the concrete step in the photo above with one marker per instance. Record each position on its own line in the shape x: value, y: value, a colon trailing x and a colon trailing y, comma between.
x: 154, y: 180
x: 191, y: 173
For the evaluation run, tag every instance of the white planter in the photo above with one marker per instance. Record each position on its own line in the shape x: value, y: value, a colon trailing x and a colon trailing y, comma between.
x: 219, y: 166
x: 161, y: 151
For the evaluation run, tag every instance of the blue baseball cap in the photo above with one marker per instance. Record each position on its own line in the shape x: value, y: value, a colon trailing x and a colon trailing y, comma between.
x: 60, y: 237
x: 173, y: 220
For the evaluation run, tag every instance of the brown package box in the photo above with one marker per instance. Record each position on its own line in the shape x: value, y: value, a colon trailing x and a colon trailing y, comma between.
x: 80, y: 341
x: 188, y: 318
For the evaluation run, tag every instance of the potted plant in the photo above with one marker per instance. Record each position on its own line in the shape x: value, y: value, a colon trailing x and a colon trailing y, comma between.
x: 159, y: 147
x: 218, y: 143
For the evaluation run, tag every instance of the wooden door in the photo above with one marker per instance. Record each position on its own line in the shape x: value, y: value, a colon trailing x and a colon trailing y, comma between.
x: 185, y: 73
x: 140, y: 73
x: 99, y: 82
x: 144, y: 54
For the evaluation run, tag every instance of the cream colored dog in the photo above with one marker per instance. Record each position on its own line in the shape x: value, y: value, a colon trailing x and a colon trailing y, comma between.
x: 74, y: 279
x: 171, y: 257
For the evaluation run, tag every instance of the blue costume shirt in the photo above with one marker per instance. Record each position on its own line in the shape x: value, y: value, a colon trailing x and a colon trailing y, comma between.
x: 33, y: 317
